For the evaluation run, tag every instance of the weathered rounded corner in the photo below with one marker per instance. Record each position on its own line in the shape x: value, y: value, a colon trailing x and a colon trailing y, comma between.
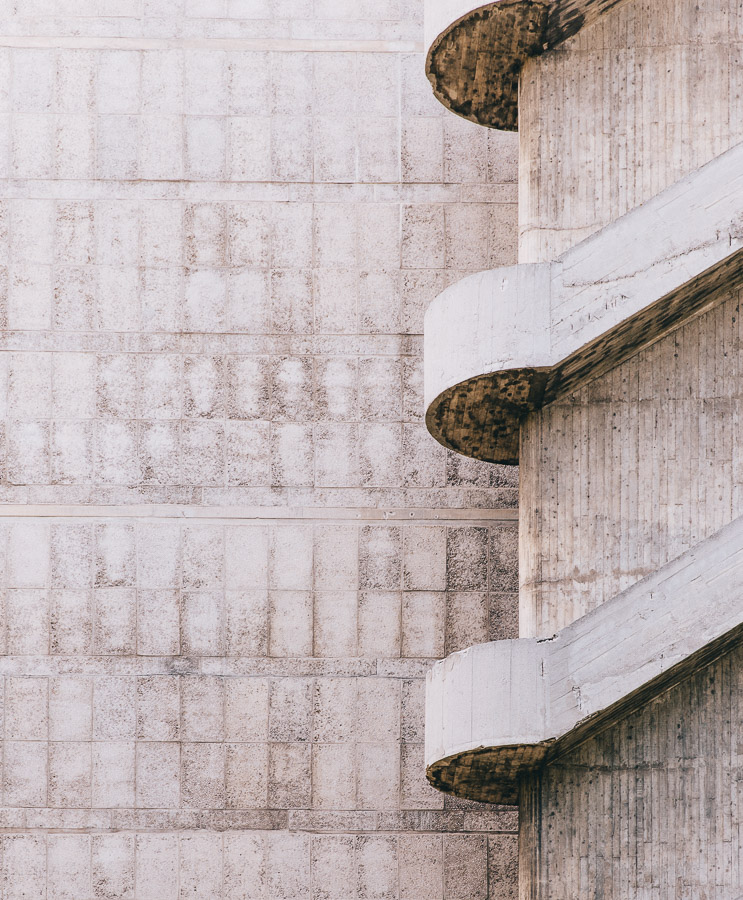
x: 486, y: 359
x: 487, y: 774
x: 481, y: 417
x: 492, y: 40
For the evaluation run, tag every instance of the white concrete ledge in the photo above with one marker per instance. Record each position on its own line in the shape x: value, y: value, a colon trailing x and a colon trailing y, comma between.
x: 497, y: 710
x: 500, y: 343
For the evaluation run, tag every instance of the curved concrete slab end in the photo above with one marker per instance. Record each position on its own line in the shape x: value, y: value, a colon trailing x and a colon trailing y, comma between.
x: 498, y: 710
x: 475, y: 54
x: 506, y: 341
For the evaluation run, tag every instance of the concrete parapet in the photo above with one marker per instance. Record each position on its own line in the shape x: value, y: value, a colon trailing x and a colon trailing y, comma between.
x: 496, y: 711
x: 503, y: 342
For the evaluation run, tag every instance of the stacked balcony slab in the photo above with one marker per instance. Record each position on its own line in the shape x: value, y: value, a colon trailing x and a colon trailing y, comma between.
x: 630, y: 105
x: 637, y: 465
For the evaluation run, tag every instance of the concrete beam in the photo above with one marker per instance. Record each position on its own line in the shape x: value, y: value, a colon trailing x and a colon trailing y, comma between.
x: 503, y: 342
x: 475, y: 54
x: 497, y: 710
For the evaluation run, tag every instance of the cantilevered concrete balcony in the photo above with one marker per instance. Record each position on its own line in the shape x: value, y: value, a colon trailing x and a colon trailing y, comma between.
x: 475, y: 54
x: 503, y: 342
x: 497, y: 710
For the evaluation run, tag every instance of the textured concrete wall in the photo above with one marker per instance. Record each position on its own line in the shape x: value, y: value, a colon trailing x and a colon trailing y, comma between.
x: 628, y: 472
x: 618, y: 478
x: 644, y: 96
x: 507, y: 341
x: 650, y: 808
x: 231, y: 550
x: 656, y: 468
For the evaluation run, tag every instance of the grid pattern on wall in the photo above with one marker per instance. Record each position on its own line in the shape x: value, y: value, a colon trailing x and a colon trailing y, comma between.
x: 229, y: 548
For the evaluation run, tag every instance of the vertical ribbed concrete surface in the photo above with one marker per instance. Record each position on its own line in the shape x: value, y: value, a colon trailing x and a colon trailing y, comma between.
x: 636, y: 466
x: 614, y: 115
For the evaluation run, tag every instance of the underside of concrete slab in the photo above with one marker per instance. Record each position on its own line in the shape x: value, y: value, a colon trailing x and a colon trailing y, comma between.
x: 475, y: 55
x: 502, y: 343
x: 497, y: 711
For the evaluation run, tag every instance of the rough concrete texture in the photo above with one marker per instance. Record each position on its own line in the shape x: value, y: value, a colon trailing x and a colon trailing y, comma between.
x: 231, y: 550
x: 638, y: 465
x: 496, y: 711
x: 642, y: 97
x: 475, y: 55
x: 670, y: 768
x: 501, y: 343
x: 665, y: 399
x: 473, y: 66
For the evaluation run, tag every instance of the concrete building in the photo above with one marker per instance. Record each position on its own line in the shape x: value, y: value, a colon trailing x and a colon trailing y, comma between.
x: 233, y: 551
x: 230, y: 548
x: 607, y: 363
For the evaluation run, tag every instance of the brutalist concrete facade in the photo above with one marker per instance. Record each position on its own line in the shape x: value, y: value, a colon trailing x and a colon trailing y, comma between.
x: 230, y: 549
x: 606, y: 363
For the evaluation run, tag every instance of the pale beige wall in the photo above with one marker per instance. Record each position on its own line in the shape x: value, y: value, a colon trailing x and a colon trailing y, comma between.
x: 630, y: 471
x: 231, y: 549
x: 643, y: 97
x: 648, y: 809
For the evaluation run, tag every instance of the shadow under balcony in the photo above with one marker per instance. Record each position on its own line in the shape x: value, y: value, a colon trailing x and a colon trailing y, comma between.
x: 504, y: 342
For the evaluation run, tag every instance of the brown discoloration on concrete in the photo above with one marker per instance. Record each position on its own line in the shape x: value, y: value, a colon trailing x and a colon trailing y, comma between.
x: 629, y: 447
x: 493, y: 774
x: 481, y: 417
x: 488, y: 775
x: 474, y: 66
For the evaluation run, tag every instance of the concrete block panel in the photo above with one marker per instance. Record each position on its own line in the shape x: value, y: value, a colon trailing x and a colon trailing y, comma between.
x: 212, y: 385
x: 506, y: 341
